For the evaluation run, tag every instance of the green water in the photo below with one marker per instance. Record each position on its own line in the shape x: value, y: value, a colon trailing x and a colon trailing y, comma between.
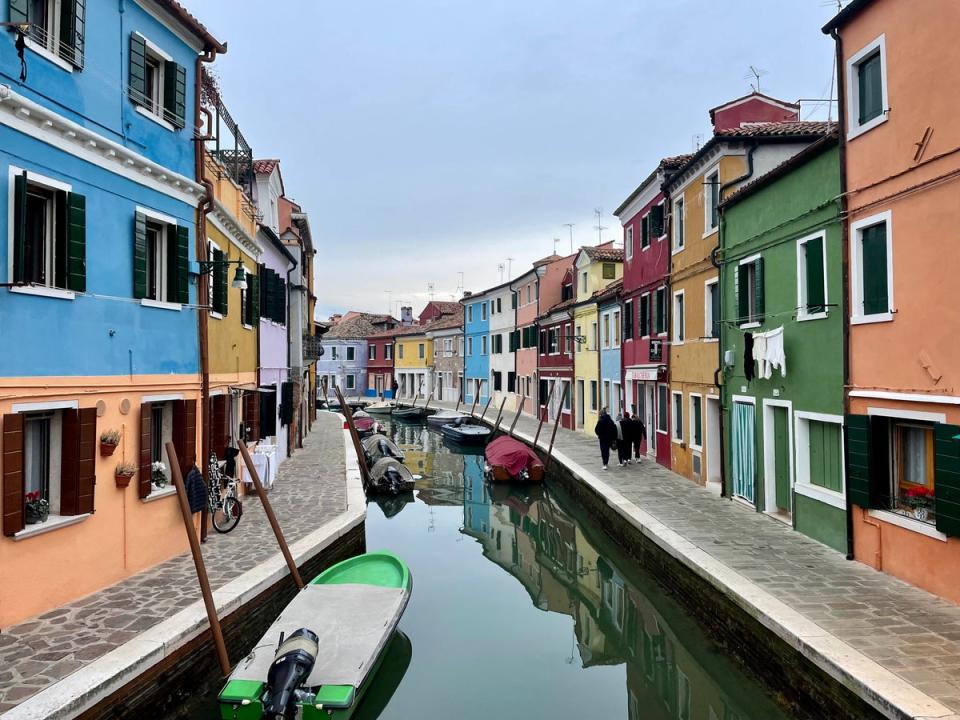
x: 523, y: 609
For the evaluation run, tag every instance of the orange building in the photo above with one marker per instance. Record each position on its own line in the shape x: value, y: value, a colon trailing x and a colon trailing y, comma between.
x: 899, y: 141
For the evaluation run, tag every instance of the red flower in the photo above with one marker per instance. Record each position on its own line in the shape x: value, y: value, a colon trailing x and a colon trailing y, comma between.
x: 33, y: 496
x: 920, y: 491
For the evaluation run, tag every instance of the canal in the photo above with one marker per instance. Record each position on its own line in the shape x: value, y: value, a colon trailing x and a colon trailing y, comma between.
x: 523, y: 608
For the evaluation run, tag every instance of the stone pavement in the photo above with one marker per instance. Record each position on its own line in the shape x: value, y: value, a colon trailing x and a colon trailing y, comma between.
x: 907, y: 631
x: 310, y: 489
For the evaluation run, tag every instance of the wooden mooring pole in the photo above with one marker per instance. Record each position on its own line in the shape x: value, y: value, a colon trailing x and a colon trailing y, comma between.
x: 496, y: 425
x: 429, y: 400
x: 355, y: 436
x: 556, y: 424
x: 271, y: 517
x: 459, y: 399
x: 515, y: 418
x: 476, y: 396
x: 202, y: 578
x: 486, y: 407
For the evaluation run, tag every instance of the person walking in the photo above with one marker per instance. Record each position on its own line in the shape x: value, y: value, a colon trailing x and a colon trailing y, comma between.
x: 394, y: 387
x: 606, y: 431
x: 638, y: 435
x: 625, y: 445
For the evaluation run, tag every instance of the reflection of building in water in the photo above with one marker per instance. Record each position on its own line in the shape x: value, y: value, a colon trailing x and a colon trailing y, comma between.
x: 476, y: 501
x: 445, y: 483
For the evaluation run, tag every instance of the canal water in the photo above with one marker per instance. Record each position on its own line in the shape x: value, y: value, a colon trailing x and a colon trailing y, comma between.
x: 523, y: 609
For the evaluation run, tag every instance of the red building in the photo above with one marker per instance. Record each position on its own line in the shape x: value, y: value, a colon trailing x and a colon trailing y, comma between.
x: 380, y: 363
x: 644, y: 354
x: 437, y: 309
x: 555, y: 357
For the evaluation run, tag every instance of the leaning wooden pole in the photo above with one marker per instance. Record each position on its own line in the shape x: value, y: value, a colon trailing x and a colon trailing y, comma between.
x: 271, y: 517
x: 486, y: 407
x: 515, y: 418
x: 429, y: 400
x: 476, y: 396
x: 459, y: 399
x: 496, y: 425
x: 204, y: 581
x: 415, y: 398
x: 355, y: 436
x: 556, y: 424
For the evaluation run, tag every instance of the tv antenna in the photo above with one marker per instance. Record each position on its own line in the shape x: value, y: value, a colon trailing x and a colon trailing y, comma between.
x: 697, y: 142
x: 501, y: 267
x: 569, y: 226
x: 600, y: 227
x: 430, y: 291
x: 389, y: 303
x: 460, y: 284
x: 556, y: 244
x: 756, y: 73
x: 509, y: 267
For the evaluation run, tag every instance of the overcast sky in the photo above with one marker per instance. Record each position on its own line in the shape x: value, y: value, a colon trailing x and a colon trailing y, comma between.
x: 428, y: 138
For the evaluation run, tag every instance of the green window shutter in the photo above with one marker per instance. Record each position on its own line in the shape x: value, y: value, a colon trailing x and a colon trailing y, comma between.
x: 813, y: 255
x: 859, y: 468
x: 281, y: 301
x: 715, y: 310
x: 19, y: 222
x: 825, y: 456
x: 182, y: 294
x: 76, y: 242
x: 253, y: 292
x: 645, y: 231
x: 870, y: 88
x: 874, y: 254
x: 72, y: 25
x: 18, y: 11
x: 947, y: 478
x: 740, y: 282
x: 758, y: 290
x: 219, y: 282
x: 174, y: 93
x: 137, y: 85
x: 656, y: 221
x: 140, y: 256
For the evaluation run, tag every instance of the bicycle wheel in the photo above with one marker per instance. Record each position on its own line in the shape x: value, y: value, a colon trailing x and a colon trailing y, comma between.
x: 226, y: 518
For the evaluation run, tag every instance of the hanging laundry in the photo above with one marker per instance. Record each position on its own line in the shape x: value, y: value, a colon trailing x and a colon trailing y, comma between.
x: 748, y: 356
x: 759, y: 354
x: 774, y: 356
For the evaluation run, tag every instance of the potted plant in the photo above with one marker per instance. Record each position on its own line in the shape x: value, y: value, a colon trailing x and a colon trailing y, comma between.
x: 920, y: 500
x: 124, y: 472
x: 109, y: 439
x: 158, y: 474
x: 37, y: 508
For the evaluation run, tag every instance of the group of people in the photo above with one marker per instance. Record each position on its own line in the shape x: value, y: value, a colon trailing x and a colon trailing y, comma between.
x: 626, y: 433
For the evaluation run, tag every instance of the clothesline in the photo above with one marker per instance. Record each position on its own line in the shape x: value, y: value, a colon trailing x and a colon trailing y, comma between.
x: 737, y: 322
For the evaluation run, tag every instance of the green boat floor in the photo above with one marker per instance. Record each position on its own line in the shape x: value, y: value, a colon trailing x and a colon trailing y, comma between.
x: 335, y: 696
x: 382, y: 569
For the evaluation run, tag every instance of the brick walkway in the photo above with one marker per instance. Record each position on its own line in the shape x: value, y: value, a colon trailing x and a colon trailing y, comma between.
x: 911, y: 633
x: 310, y: 489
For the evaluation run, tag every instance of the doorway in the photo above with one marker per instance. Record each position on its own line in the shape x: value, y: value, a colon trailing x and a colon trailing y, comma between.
x: 650, y: 420
x: 580, y: 404
x: 743, y: 449
x: 714, y: 482
x: 777, y: 458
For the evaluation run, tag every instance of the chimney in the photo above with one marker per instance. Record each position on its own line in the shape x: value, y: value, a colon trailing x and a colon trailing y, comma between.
x: 406, y: 316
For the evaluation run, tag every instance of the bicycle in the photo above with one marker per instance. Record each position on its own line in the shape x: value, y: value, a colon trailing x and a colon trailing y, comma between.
x: 223, y: 501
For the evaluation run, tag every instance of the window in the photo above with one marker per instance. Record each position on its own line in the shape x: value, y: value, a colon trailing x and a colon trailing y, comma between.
x: 628, y: 320
x: 483, y: 311
x: 399, y: 352
x: 711, y: 310
x: 566, y: 292
x: 529, y: 293
x: 333, y: 352
x: 372, y: 352
x: 696, y: 422
x: 499, y: 305
x: 593, y: 395
x: 867, y: 88
x: 662, y: 409
x: 56, y: 28
x: 579, y: 333
x: 250, y: 299
x: 511, y: 382
x: 567, y: 339
x: 678, y: 417
x: 811, y: 277
x: 609, y: 271
x: 448, y: 346
x: 606, y: 396
x: 594, y: 336
x: 388, y: 352
x: 616, y: 328
x: 157, y: 85
x: 825, y: 449
x: 645, y: 232
x: 352, y: 352
x: 660, y: 312
x: 678, y: 221
x: 483, y: 345
x: 49, y: 233
x: 470, y: 313
x: 553, y: 340
x: 872, y: 269
x: 628, y: 242
x: 351, y: 382
x: 421, y: 351
x: 497, y: 381
x: 913, y: 470
x: 273, y: 294
x: 460, y: 346
x: 645, y: 315
x: 565, y: 389
x: 470, y: 346
x: 748, y: 282
x: 656, y: 221
x: 678, y: 318
x: 38, y: 460
x: 711, y: 196
x: 606, y: 330
x: 583, y: 281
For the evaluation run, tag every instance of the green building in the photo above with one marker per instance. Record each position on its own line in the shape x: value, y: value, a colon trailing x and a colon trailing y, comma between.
x: 781, y: 267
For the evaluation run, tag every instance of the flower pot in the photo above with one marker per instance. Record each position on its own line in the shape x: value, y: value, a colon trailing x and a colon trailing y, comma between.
x: 123, y: 480
x: 921, y: 513
x: 106, y: 449
x: 33, y: 516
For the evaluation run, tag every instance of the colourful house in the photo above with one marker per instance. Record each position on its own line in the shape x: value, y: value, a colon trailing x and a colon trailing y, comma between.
x: 413, y: 362
x: 345, y: 357
x: 594, y: 269
x: 784, y: 436
x: 555, y: 356
x: 446, y: 333
x: 380, y: 364
x: 476, y: 359
x: 609, y: 312
x: 903, y: 403
x: 98, y: 306
x: 503, y: 342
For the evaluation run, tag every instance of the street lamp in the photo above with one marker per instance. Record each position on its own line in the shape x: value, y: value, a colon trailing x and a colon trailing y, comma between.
x: 239, y: 279
x: 207, y: 267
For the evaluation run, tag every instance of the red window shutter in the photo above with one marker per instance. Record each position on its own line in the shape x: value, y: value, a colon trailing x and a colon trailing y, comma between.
x: 87, y: 468
x: 220, y: 430
x: 185, y: 434
x: 13, y: 515
x: 251, y: 414
x: 146, y: 443
x: 70, y: 463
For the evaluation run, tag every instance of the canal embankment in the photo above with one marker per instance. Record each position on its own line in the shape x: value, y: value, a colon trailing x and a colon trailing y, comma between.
x: 139, y: 648
x: 832, y: 638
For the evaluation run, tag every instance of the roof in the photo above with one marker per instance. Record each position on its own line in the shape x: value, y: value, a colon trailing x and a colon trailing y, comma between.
x: 603, y: 254
x: 446, y: 307
x: 446, y: 323
x: 748, y: 96
x: 563, y: 305
x: 609, y: 291
x: 277, y: 242
x: 192, y: 24
x: 265, y: 167
x: 808, y: 153
x: 547, y: 260
x: 356, y: 328
x: 666, y: 164
x: 845, y: 15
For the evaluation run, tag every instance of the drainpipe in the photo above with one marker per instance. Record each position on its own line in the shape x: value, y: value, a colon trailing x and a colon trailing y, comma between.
x: 714, y: 259
x: 845, y: 272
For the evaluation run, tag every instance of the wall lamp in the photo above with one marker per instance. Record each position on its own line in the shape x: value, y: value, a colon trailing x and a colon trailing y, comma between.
x: 239, y: 277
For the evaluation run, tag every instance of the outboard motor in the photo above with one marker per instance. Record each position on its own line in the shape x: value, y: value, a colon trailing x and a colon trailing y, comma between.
x: 394, y: 481
x: 291, y: 667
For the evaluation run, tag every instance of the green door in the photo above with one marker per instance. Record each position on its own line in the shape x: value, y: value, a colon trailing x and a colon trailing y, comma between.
x: 781, y: 458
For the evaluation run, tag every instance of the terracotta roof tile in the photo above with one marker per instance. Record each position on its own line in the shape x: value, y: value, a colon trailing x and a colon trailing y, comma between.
x: 355, y: 328
x: 264, y: 167
x: 609, y: 291
x: 780, y: 129
x: 604, y: 254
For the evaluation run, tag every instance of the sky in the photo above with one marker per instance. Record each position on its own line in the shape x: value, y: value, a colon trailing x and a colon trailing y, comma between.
x: 430, y: 138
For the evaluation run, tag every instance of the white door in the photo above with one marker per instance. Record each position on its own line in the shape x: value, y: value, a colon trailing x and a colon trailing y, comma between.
x: 713, y: 442
x: 649, y: 391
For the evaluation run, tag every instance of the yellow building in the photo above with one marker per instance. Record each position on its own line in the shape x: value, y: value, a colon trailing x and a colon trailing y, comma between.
x: 595, y: 268
x: 234, y: 316
x: 413, y: 362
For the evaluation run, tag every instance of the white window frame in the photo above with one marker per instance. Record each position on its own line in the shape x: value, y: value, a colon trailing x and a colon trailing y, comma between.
x: 802, y: 484
x: 594, y: 396
x: 595, y: 335
x: 616, y: 327
x: 584, y: 281
x: 372, y: 352
x: 656, y: 409
x: 802, y: 314
x: 629, y: 242
x: 699, y: 396
x: 857, y: 316
x: 159, y: 55
x: 679, y: 224
x: 769, y: 460
x: 388, y: 351
x: 709, y: 229
x: 663, y: 289
x: 854, y: 128
x: 679, y: 319
x: 469, y: 347
x: 351, y: 382
x: 346, y: 354
x: 469, y: 313
x: 483, y: 311
x: 483, y: 344
x: 750, y: 324
x: 605, y: 338
x: 708, y: 311
x: 663, y: 226
x: 49, y: 51
x: 675, y: 406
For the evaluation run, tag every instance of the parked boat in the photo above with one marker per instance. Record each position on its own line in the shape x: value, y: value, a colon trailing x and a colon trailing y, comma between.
x: 321, y: 656
x: 510, y: 460
x: 445, y: 417
x: 390, y: 476
x: 380, y: 446
x: 383, y: 407
x: 466, y: 434
x: 411, y: 413
x: 366, y: 425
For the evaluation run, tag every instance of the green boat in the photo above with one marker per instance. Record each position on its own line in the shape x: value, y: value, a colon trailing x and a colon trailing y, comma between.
x: 321, y: 656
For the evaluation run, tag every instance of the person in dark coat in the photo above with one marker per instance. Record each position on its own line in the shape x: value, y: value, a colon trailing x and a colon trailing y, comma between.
x: 625, y: 443
x: 606, y: 431
x: 639, y: 434
x: 394, y: 388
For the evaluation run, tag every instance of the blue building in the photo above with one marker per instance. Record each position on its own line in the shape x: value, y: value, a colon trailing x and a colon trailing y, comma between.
x: 98, y: 286
x: 611, y: 333
x: 476, y: 348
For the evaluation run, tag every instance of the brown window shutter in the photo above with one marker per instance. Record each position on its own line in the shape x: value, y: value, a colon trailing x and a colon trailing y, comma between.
x: 185, y: 433
x: 87, y: 470
x: 220, y: 430
x: 251, y: 414
x: 70, y: 463
x: 13, y: 515
x: 146, y: 441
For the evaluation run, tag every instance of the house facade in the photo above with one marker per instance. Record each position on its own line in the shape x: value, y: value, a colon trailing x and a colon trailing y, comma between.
x: 784, y: 436
x: 346, y: 356
x: 610, y: 313
x: 646, y: 274
x: 527, y: 289
x: 503, y: 357
x: 380, y: 364
x: 447, y: 337
x: 476, y: 359
x: 903, y: 412
x: 413, y: 363
x: 100, y: 245
x: 555, y: 358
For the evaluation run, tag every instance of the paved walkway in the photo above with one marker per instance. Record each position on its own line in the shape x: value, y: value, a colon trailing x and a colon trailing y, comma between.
x: 310, y: 489
x: 911, y: 633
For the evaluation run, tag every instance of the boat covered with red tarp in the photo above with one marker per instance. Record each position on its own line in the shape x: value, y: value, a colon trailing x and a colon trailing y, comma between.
x: 510, y: 460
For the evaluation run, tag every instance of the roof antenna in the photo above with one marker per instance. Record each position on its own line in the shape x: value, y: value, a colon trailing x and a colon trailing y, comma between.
x: 430, y: 290
x: 500, y: 268
x: 600, y: 227
x: 569, y: 226
x: 756, y: 73
x: 556, y: 243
